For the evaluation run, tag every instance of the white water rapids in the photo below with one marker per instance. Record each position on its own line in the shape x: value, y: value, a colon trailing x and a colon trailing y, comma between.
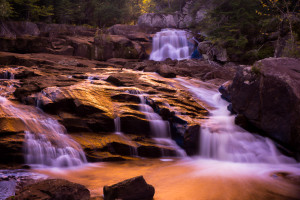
x: 160, y: 129
x: 170, y: 43
x: 46, y: 143
x: 221, y: 139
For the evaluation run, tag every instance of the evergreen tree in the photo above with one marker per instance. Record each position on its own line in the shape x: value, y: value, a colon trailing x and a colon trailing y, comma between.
x: 31, y: 9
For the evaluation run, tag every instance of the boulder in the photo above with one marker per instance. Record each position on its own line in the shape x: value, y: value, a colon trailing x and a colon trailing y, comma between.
x: 212, y: 51
x: 157, y: 21
x: 224, y: 90
x: 53, y: 189
x: 115, y: 46
x: 268, y: 95
x: 132, y: 32
x: 166, y: 71
x: 131, y: 189
x: 115, y: 81
x: 11, y: 29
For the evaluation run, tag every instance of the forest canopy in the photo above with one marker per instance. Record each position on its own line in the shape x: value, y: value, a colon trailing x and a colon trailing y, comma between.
x: 248, y: 29
x: 101, y: 13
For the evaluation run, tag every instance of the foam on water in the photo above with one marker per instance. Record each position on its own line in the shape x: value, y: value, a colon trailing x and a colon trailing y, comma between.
x: 160, y: 129
x: 46, y: 143
x: 221, y: 139
x: 170, y: 43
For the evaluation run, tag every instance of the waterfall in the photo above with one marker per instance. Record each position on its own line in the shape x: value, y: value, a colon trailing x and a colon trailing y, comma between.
x: 133, y: 148
x: 8, y: 75
x: 170, y: 43
x: 221, y: 139
x: 117, y: 122
x: 160, y: 129
x: 46, y: 143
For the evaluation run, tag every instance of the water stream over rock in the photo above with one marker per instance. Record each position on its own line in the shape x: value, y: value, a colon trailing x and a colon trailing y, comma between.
x: 160, y: 129
x: 170, y: 43
x: 46, y: 143
x: 221, y: 139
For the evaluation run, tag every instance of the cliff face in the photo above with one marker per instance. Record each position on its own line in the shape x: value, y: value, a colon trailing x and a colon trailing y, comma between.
x: 61, y: 39
x: 192, y: 12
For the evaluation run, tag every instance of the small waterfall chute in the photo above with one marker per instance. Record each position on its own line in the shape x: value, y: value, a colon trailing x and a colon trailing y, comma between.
x: 46, y: 143
x: 160, y: 129
x: 171, y: 43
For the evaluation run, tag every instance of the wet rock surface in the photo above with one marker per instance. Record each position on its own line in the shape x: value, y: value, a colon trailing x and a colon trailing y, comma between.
x: 200, y: 69
x: 267, y: 95
x: 76, y: 92
x: 130, y: 189
x: 53, y: 189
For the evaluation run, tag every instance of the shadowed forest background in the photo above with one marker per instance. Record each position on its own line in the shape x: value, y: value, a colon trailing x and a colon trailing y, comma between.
x: 247, y: 29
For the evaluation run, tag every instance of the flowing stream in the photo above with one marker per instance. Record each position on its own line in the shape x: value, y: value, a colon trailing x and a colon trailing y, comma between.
x: 170, y: 43
x: 160, y: 129
x: 46, y: 143
x: 221, y: 139
x: 233, y: 164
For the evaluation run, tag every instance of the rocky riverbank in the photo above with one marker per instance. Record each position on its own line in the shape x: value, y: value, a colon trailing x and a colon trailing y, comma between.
x: 104, y: 100
x: 86, y: 96
x: 266, y: 97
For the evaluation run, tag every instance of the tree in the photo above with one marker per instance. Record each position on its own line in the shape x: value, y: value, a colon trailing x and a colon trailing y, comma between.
x: 5, y: 9
x: 286, y: 11
x: 233, y: 24
x: 31, y: 9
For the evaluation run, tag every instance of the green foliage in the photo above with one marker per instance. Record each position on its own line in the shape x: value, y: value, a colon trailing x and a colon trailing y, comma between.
x: 101, y: 13
x: 31, y: 9
x: 256, y: 70
x: 266, y: 51
x: 235, y: 25
x: 5, y: 9
x: 168, y: 6
x: 249, y: 29
x: 292, y: 50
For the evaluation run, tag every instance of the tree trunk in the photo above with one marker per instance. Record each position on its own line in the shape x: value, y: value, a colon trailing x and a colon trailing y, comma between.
x: 280, y: 41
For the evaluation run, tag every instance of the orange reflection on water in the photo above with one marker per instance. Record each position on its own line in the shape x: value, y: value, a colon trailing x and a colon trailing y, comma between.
x: 191, y: 179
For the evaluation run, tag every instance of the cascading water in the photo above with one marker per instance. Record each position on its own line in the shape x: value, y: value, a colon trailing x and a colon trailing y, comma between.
x: 117, y: 122
x: 170, y: 43
x: 160, y: 129
x: 45, y: 141
x: 133, y: 148
x: 221, y: 139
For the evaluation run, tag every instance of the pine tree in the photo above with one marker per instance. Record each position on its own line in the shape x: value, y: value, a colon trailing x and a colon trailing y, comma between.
x: 31, y: 9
